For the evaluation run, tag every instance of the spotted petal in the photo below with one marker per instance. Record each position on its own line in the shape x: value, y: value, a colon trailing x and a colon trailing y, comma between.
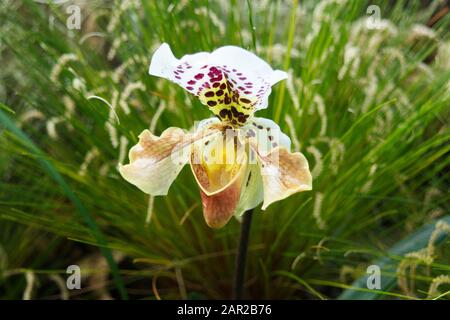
x: 232, y: 82
x: 266, y: 134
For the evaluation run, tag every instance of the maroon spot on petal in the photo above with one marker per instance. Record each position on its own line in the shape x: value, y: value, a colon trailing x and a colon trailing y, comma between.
x: 190, y: 88
x: 248, y: 83
x: 234, y: 111
x: 211, y: 103
x: 216, y: 84
x: 219, y: 93
x: 274, y: 144
x: 191, y: 82
x: 239, y: 74
x: 243, y: 78
x: 178, y: 77
x: 223, y: 86
x: 241, y: 88
x: 224, y: 113
x: 244, y: 100
x: 209, y: 94
x: 247, y: 92
x: 199, y: 76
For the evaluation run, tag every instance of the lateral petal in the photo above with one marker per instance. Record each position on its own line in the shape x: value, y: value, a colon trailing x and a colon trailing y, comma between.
x: 283, y: 174
x: 155, y: 162
x: 266, y: 134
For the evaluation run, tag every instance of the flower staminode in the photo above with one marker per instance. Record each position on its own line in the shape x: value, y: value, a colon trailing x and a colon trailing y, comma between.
x: 238, y: 160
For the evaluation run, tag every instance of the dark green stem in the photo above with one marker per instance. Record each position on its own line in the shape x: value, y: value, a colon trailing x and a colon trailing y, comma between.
x: 239, y: 274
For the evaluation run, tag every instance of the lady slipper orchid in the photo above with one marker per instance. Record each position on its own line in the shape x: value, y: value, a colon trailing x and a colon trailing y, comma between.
x: 238, y: 160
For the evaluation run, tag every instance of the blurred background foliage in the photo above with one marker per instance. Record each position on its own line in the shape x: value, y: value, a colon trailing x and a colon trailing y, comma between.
x: 367, y: 102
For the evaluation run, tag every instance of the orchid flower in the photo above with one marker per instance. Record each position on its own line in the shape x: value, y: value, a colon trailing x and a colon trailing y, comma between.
x: 238, y: 160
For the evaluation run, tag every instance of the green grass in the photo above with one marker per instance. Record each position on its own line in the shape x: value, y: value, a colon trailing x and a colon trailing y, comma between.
x: 368, y: 108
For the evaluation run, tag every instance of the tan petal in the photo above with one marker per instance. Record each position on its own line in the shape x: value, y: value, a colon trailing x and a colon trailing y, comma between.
x: 155, y: 162
x: 220, y: 181
x: 283, y: 174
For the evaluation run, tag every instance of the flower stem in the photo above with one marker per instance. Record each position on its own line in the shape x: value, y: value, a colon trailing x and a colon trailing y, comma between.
x: 239, y: 273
